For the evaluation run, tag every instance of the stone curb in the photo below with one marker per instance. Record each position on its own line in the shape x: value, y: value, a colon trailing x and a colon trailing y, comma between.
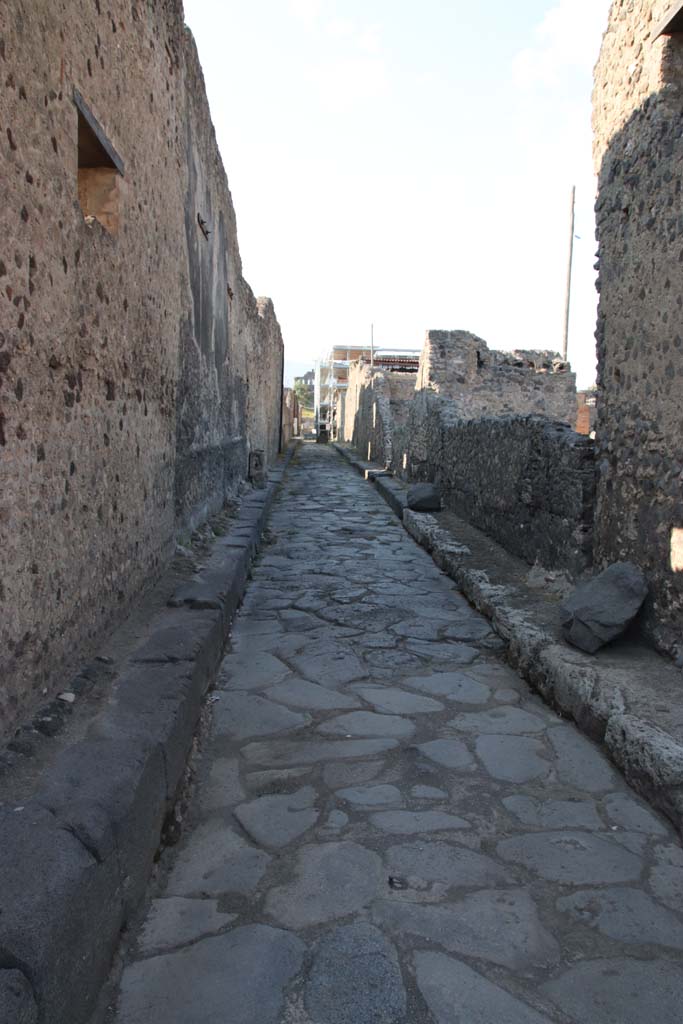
x: 650, y: 759
x: 75, y: 861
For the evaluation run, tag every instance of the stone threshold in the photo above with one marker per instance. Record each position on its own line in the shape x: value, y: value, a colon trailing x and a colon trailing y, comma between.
x: 76, y: 858
x: 627, y: 698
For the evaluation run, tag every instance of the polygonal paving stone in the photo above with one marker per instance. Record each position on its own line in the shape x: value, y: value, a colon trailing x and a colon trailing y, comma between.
x: 332, y: 881
x: 425, y: 863
x: 329, y: 664
x: 276, y: 821
x: 471, y: 628
x: 620, y: 991
x: 355, y: 979
x: 175, y: 921
x: 410, y: 823
x: 573, y: 858
x: 554, y: 814
x: 627, y: 915
x: 449, y: 753
x: 215, y: 860
x: 630, y: 814
x: 512, y: 758
x: 456, y: 994
x: 579, y: 763
x: 428, y: 793
x: 453, y: 653
x: 454, y: 686
x: 243, y: 973
x: 397, y: 702
x: 337, y: 775
x: 222, y: 788
x: 499, y: 720
x: 367, y: 723
x: 384, y: 662
x: 250, y: 671
x: 284, y: 753
x: 501, y: 926
x: 371, y: 796
x: 243, y: 715
x: 666, y: 876
x: 299, y: 693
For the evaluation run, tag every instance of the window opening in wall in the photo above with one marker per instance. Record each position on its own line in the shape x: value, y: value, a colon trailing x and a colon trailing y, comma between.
x: 100, y: 170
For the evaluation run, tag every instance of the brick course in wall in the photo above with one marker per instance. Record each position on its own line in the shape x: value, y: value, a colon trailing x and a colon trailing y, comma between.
x: 638, y: 111
x: 136, y: 367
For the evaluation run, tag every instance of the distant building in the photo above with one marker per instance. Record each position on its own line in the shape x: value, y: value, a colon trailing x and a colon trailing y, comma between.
x: 332, y: 377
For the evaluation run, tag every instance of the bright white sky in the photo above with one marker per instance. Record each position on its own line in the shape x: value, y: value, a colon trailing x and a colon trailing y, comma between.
x: 409, y: 164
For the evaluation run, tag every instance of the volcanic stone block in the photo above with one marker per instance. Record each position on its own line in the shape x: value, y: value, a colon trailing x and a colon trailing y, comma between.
x: 599, y: 611
x: 424, y: 498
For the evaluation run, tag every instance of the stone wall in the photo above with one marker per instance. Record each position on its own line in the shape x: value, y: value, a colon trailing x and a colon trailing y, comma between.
x: 638, y: 104
x: 376, y: 403
x: 468, y: 421
x: 291, y: 416
x: 483, y: 382
x: 136, y: 367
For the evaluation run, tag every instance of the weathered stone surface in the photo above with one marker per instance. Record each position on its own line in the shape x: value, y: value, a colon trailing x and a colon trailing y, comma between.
x: 174, y: 922
x: 629, y: 813
x: 299, y: 693
x: 449, y: 753
x: 332, y: 881
x: 243, y: 973
x: 17, y: 1004
x: 601, y: 610
x: 410, y: 823
x: 428, y: 793
x: 307, y: 752
x: 367, y: 723
x: 455, y: 686
x: 424, y: 498
x: 391, y: 701
x: 666, y: 876
x: 513, y: 758
x: 456, y: 994
x: 579, y: 763
x: 499, y: 720
x: 251, y: 671
x: 355, y: 978
x: 222, y: 788
x: 573, y: 858
x: 500, y: 925
x: 215, y: 860
x: 620, y: 991
x: 371, y: 796
x: 329, y: 664
x: 276, y: 821
x: 554, y: 814
x: 627, y: 915
x: 243, y: 715
x: 451, y: 866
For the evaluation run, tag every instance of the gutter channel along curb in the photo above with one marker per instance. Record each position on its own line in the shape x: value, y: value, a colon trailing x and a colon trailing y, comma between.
x: 568, y: 680
x: 75, y: 861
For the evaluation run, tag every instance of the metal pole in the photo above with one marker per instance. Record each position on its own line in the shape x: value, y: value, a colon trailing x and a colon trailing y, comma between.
x: 565, y: 345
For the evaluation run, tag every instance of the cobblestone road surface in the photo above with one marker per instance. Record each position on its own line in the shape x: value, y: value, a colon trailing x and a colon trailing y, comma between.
x: 390, y: 827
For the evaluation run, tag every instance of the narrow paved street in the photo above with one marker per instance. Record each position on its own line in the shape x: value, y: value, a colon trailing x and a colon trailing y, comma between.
x: 389, y: 826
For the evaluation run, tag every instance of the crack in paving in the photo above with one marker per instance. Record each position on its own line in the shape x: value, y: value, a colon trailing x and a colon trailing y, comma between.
x: 389, y: 827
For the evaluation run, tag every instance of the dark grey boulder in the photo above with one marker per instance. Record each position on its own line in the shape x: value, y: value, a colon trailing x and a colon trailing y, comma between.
x: 424, y: 498
x: 600, y: 610
x: 17, y: 1005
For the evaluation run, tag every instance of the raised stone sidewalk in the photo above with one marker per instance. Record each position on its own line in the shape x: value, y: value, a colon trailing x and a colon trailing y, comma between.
x: 389, y: 826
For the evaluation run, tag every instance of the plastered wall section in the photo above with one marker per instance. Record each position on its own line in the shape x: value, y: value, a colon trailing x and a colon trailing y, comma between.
x: 135, y: 371
x: 638, y: 149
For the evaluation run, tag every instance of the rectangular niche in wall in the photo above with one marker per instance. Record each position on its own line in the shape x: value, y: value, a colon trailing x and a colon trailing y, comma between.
x: 100, y: 170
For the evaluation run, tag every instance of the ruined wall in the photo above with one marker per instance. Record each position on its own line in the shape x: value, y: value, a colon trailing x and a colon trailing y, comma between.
x: 376, y: 403
x: 638, y: 106
x: 136, y: 369
x: 482, y: 382
x: 291, y: 416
